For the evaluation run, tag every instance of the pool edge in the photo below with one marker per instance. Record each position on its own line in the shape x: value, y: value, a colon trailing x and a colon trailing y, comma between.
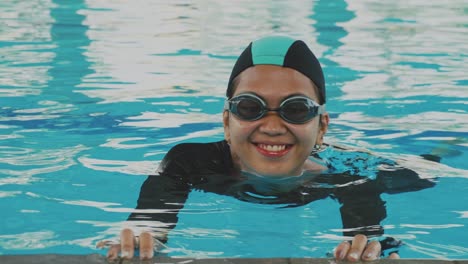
x: 99, y: 259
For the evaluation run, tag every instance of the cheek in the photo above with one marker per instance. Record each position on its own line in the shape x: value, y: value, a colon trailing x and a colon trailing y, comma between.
x: 240, y: 130
x: 307, y: 135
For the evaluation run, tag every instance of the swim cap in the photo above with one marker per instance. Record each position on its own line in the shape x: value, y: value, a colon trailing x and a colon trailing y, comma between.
x: 281, y: 51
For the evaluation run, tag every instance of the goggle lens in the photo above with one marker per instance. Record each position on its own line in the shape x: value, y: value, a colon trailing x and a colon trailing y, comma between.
x: 248, y: 108
x: 295, y: 110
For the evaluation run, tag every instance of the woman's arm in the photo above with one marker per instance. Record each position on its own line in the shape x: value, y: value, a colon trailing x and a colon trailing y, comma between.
x: 362, y: 211
x: 161, y: 198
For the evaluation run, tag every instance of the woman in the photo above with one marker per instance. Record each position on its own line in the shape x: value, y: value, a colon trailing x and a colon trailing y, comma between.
x: 274, y: 123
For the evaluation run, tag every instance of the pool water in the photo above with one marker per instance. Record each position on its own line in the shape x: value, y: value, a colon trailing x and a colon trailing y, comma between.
x: 94, y: 93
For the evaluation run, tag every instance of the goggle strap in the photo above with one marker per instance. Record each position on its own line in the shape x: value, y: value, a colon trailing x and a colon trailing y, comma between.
x: 321, y: 109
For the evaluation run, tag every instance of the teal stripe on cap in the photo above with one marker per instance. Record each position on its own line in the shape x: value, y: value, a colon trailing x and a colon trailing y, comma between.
x: 271, y: 50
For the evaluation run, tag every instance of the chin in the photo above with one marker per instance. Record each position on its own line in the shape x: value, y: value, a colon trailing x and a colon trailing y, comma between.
x: 272, y: 173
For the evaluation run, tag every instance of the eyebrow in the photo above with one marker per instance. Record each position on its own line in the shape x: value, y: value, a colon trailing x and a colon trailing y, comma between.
x: 289, y: 96
x: 297, y: 94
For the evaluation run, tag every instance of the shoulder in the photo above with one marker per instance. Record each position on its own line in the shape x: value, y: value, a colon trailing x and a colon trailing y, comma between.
x: 196, y: 158
x: 189, y: 149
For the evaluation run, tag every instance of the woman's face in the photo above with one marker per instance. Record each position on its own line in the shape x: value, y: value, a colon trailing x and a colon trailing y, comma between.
x: 271, y: 146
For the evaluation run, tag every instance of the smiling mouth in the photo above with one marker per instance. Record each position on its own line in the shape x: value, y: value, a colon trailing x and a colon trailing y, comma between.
x: 273, y: 150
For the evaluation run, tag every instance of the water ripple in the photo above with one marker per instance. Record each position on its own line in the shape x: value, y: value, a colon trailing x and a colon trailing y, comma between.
x: 90, y: 79
x: 120, y: 166
x: 169, y: 120
x: 31, y: 240
x: 21, y: 165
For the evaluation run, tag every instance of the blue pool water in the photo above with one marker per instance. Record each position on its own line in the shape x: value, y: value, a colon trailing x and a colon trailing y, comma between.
x: 94, y: 93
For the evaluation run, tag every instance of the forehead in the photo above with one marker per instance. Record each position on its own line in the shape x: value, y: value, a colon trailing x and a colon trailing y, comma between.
x: 274, y: 82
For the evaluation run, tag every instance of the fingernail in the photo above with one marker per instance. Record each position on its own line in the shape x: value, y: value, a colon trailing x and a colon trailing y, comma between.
x: 342, y: 255
x: 370, y: 255
x: 125, y: 254
x: 354, y: 256
x: 146, y: 256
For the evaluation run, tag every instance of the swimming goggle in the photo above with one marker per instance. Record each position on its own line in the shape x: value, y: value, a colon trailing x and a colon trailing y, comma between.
x: 296, y: 109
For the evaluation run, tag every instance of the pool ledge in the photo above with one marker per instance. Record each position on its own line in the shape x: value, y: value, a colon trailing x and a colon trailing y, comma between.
x: 99, y: 259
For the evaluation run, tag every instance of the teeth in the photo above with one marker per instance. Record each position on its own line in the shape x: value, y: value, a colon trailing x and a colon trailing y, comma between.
x: 272, y: 148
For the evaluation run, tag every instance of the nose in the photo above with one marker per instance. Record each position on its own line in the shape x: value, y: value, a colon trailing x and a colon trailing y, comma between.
x: 272, y: 124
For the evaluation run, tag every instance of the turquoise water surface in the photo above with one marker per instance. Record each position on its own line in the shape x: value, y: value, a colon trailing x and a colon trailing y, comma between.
x: 94, y: 93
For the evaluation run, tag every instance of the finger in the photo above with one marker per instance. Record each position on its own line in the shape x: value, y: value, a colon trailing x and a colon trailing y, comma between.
x: 103, y: 244
x: 113, y: 252
x: 146, y: 246
x: 359, y: 243
x: 394, y: 256
x: 372, y: 251
x: 342, y: 250
x: 127, y: 240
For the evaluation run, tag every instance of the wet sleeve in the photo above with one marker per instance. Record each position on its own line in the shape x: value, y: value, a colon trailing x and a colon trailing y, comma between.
x: 401, y: 180
x: 363, y: 210
x: 163, y: 195
x: 361, y: 213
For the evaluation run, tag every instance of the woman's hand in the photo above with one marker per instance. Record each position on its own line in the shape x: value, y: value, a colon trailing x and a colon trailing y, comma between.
x: 359, y: 250
x: 128, y: 243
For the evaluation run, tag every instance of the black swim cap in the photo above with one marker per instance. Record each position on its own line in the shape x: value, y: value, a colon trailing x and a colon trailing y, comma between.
x: 281, y: 51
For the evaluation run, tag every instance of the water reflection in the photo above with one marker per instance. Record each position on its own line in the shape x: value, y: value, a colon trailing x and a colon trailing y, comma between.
x: 187, y: 48
x: 31, y: 240
x: 23, y: 166
x: 119, y: 166
x: 404, y: 49
x: 95, y: 91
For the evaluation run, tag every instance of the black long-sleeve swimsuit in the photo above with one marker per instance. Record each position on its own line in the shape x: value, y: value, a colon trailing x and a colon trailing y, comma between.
x: 208, y: 167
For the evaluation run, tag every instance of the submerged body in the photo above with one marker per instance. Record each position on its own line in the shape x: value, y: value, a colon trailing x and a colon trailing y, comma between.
x: 208, y: 167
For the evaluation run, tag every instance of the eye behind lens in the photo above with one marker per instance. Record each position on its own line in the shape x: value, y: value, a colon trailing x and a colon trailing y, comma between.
x: 297, y: 112
x: 249, y: 109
